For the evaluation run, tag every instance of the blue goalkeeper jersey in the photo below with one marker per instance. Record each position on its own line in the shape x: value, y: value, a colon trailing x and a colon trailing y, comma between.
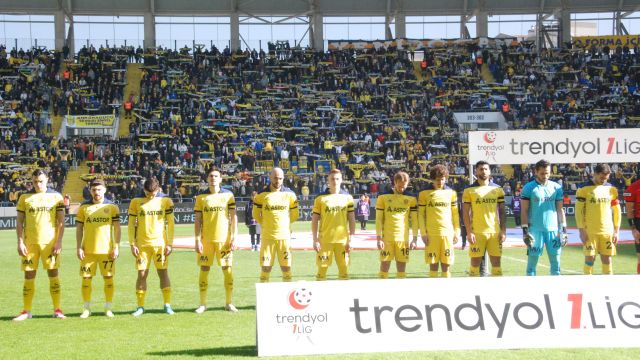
x: 542, y: 204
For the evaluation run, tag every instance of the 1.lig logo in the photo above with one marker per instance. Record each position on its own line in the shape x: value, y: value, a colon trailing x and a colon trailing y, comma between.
x: 299, y: 299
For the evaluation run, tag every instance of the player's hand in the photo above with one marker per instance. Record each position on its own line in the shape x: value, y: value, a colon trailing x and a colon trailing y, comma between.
x: 347, y: 247
x: 115, y: 253
x: 57, y: 248
x: 636, y: 235
x: 472, y: 238
x: 583, y: 236
x: 232, y: 244
x: 456, y: 238
x: 22, y: 249
x: 616, y: 237
x: 316, y: 245
x: 502, y: 236
x: 167, y: 250
x: 198, y: 246
x: 564, y: 239
x: 527, y: 239
x: 413, y: 244
x: 425, y: 240
x: 80, y: 253
x: 135, y: 251
x: 380, y: 244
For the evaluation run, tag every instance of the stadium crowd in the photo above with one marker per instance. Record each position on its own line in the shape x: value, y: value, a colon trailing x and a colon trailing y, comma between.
x: 366, y: 112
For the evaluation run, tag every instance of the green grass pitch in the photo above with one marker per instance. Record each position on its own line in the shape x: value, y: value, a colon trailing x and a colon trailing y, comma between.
x: 216, y: 333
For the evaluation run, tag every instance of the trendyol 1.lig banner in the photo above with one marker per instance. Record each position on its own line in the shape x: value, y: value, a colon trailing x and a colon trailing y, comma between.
x: 362, y: 316
x: 556, y: 146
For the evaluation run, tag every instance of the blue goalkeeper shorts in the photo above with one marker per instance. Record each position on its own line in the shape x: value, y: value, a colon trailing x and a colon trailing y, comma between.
x: 545, y: 239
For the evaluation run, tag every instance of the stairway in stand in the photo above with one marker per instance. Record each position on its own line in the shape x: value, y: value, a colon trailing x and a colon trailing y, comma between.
x: 134, y: 74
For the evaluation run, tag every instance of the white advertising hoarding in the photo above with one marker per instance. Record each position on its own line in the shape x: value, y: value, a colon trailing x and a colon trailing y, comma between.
x: 362, y: 316
x: 556, y: 146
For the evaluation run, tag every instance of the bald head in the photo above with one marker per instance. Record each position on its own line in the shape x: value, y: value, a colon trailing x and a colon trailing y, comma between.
x: 277, y: 178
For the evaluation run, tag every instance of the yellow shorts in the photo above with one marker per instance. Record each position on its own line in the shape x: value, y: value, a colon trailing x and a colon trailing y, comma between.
x: 149, y: 254
x: 271, y: 248
x: 327, y: 252
x: 485, y: 242
x: 439, y: 250
x: 219, y: 250
x: 396, y: 250
x: 35, y: 252
x: 599, y: 244
x: 91, y: 261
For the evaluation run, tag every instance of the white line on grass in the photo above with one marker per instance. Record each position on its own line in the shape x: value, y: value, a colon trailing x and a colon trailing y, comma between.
x: 542, y: 265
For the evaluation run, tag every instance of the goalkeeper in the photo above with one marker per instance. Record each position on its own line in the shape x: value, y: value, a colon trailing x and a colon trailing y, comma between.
x: 542, y: 218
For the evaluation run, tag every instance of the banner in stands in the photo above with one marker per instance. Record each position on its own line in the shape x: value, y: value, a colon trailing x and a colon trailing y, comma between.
x: 612, y: 41
x: 417, y: 44
x: 90, y: 120
x: 475, y: 120
x: 556, y: 146
x: 302, y: 318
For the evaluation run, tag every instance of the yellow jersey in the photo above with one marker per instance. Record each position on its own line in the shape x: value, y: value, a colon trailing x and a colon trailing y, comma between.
x: 484, y: 201
x: 597, y: 208
x: 215, y: 208
x: 148, y: 219
x: 333, y: 210
x: 275, y: 211
x: 97, y: 221
x: 393, y: 213
x: 40, y: 211
x: 438, y: 212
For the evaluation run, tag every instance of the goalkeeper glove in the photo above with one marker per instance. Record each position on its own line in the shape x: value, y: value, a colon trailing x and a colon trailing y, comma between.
x: 526, y: 236
x: 564, y: 237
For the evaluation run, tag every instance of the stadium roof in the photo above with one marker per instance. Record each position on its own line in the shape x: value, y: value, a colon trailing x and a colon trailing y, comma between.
x: 305, y: 7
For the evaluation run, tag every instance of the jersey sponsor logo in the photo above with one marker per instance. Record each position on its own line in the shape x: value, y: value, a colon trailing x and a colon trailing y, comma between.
x: 600, y: 200
x: 38, y: 209
x: 334, y: 209
x: 151, y: 213
x: 396, y: 210
x: 275, y: 207
x: 98, y: 220
x: 486, y: 201
x: 438, y: 204
x: 213, y: 208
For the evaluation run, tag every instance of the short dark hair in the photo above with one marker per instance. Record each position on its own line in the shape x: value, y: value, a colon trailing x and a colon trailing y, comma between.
x: 212, y: 169
x: 151, y: 184
x: 481, y: 163
x: 602, y: 169
x: 97, y: 182
x: 438, y: 171
x: 542, y: 164
x: 38, y: 172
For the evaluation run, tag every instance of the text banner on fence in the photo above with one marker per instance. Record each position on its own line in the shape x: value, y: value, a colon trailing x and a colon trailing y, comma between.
x: 556, y: 146
x: 362, y: 316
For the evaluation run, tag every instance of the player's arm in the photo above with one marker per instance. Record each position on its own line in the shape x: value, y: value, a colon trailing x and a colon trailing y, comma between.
x: 351, y: 217
x: 117, y: 235
x: 170, y: 221
x: 22, y: 248
x: 294, y: 211
x: 315, y: 219
x: 502, y: 215
x: 581, y: 204
x: 466, y: 217
x: 131, y: 228
x: 79, y: 237
x: 380, y: 222
x: 562, y: 220
x: 617, y: 216
x: 233, y: 227
x: 422, y: 216
x: 59, y: 230
x: 629, y: 202
x: 455, y: 219
x: 413, y: 213
x: 524, y: 212
x: 256, y: 212
x: 197, y: 230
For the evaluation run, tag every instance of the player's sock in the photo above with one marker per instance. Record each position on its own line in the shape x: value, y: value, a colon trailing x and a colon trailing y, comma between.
x: 638, y: 268
x: 286, y: 276
x: 554, y: 264
x: 264, y: 276
x: 166, y: 295
x: 54, y: 290
x: 140, y: 297
x: 445, y: 274
x: 383, y: 274
x: 401, y: 275
x: 322, y: 274
x: 474, y: 271
x: 27, y: 293
x: 109, y: 289
x: 496, y: 271
x: 588, y: 267
x: 532, y: 264
x: 433, y: 274
x: 228, y: 284
x: 607, y: 269
x: 203, y: 283
x: 86, y: 289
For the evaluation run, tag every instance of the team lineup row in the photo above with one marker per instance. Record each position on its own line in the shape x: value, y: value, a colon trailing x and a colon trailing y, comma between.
x: 433, y: 214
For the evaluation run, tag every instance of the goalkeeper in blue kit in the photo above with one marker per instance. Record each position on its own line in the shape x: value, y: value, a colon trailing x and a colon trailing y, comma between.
x: 543, y: 220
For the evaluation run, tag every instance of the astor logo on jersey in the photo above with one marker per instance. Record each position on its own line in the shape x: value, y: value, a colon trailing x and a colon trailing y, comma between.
x: 213, y: 208
x: 486, y: 201
x: 439, y: 204
x: 334, y: 209
x: 98, y: 220
x: 151, y: 213
x: 397, y: 210
x: 275, y: 207
x: 37, y: 209
x: 600, y: 200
